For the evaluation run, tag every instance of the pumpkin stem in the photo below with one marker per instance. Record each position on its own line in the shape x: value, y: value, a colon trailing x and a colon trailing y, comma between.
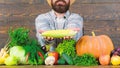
x: 93, y: 33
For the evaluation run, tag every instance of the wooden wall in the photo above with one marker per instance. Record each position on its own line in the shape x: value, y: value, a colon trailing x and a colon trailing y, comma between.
x: 101, y: 16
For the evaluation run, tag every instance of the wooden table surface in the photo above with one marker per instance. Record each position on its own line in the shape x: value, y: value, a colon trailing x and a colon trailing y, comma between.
x: 57, y: 66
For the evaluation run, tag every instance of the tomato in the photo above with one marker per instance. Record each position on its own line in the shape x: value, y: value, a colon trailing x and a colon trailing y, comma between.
x: 55, y: 54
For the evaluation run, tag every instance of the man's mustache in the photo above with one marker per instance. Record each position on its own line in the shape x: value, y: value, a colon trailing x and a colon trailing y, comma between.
x: 61, y: 1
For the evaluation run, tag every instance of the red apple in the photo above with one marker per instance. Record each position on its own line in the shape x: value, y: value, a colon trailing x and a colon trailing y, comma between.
x: 104, y: 59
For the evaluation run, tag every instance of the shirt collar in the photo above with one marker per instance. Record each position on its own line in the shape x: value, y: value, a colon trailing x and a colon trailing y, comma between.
x: 67, y: 14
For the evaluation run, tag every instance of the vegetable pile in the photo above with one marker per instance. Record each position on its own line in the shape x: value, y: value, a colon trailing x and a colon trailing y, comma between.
x: 22, y: 49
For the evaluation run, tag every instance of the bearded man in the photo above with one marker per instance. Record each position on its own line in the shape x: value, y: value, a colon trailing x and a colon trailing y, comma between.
x: 58, y: 18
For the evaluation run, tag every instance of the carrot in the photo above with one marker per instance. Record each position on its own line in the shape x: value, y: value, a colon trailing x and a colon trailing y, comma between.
x: 40, y: 54
x: 27, y: 56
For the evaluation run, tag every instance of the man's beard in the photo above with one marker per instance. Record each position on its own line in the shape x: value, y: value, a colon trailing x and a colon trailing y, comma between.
x: 60, y: 8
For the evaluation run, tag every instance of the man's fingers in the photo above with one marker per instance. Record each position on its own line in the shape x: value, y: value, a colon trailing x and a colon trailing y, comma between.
x: 51, y: 38
x: 45, y: 38
x: 48, y: 38
x: 67, y: 37
x: 71, y: 36
x: 41, y: 31
x: 75, y: 29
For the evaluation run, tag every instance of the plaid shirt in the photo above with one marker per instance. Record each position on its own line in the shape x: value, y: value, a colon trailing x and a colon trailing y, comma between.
x: 49, y: 21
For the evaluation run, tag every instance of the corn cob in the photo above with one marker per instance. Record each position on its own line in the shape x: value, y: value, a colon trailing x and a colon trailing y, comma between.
x: 58, y: 33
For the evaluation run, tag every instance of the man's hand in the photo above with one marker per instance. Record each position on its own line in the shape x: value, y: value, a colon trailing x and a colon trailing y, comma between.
x: 67, y: 37
x: 48, y: 38
x: 75, y: 29
x: 70, y: 37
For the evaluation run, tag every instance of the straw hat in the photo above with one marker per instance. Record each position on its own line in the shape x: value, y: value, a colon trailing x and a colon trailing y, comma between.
x: 71, y: 2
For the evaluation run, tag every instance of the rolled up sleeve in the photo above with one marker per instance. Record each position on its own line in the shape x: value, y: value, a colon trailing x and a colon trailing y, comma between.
x: 76, y: 21
x: 41, y: 23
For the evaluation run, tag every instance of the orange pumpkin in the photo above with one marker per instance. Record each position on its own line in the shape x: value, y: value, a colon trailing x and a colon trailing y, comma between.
x: 96, y: 45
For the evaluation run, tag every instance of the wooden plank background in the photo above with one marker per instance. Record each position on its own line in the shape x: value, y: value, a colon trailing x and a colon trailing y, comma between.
x: 102, y: 16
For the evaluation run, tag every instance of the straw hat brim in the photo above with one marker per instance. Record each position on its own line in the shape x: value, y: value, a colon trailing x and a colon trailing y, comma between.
x: 71, y: 2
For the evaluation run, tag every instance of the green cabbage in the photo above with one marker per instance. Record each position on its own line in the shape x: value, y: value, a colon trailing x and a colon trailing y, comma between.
x: 19, y: 53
